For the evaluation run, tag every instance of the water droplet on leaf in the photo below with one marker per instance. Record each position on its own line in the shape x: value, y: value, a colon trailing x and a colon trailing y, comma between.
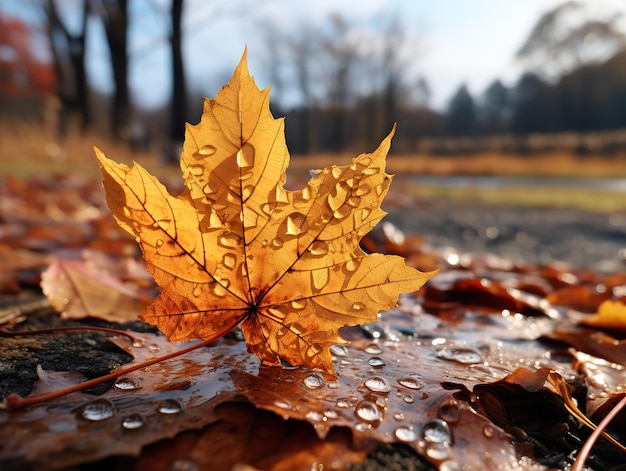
x: 170, y: 406
x: 377, y: 384
x: 436, y: 431
x: 229, y: 260
x: 313, y: 380
x: 277, y: 243
x: 133, y: 422
x: 126, y: 383
x: 283, y: 404
x: 376, y: 362
x: 319, y: 248
x: 339, y: 350
x: 207, y: 150
x: 368, y: 411
x: 411, y: 382
x: 465, y: 355
x: 405, y: 434
x: 373, y: 349
x: 100, y: 409
x: 245, y: 156
x: 296, y: 223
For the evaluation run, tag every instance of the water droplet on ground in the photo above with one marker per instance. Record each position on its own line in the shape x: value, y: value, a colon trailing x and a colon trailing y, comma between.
x: 377, y: 384
x: 488, y: 431
x: 126, y: 384
x: 465, y: 355
x: 170, y: 406
x: 411, y: 382
x: 100, y: 409
x: 314, y: 416
x: 313, y: 380
x: 408, y: 399
x: 438, y: 451
x: 405, y: 434
x: 133, y: 422
x: 376, y: 362
x: 139, y: 343
x: 153, y: 347
x: 436, y: 431
x: 368, y: 411
x: 399, y: 416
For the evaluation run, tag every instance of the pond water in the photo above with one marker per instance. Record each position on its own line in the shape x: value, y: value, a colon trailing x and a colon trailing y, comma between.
x: 494, y: 182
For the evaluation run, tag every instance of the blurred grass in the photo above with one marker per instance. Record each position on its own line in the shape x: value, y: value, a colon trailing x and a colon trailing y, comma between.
x: 34, y: 151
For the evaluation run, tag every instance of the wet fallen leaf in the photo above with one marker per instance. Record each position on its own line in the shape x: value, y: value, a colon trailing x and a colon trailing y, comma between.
x: 236, y: 247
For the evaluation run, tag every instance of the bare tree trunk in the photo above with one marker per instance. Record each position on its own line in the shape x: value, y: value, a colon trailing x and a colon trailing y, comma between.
x: 70, y: 69
x: 115, y: 19
x: 179, y: 92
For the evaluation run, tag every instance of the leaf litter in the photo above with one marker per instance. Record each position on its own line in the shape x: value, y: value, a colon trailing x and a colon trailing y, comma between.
x: 484, y: 368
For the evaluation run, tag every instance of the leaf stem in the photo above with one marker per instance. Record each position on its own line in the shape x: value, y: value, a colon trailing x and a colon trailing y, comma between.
x: 15, y: 401
x: 584, y: 452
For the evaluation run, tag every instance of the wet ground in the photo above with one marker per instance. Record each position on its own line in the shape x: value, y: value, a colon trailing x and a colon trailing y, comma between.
x: 523, y: 234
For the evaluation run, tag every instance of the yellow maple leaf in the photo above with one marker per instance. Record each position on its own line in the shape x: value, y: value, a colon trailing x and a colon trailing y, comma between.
x: 236, y: 247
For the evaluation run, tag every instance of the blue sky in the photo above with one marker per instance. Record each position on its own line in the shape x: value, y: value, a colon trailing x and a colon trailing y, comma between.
x: 455, y: 41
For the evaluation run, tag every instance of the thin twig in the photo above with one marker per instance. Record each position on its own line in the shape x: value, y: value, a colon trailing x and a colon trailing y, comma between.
x: 579, y: 464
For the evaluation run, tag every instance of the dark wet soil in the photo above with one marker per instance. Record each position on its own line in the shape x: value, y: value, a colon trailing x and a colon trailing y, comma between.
x: 537, y: 235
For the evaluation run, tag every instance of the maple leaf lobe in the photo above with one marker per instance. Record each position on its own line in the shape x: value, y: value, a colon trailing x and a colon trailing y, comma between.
x: 236, y: 247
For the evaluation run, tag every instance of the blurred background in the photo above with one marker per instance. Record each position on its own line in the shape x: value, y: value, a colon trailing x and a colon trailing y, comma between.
x: 458, y: 77
x: 511, y: 115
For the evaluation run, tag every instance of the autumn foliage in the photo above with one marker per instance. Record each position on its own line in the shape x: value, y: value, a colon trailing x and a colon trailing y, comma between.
x: 236, y: 247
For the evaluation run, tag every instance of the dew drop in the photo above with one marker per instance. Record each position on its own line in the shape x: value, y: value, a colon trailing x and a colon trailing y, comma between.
x: 313, y: 380
x: 298, y: 304
x: 207, y: 150
x: 139, y: 343
x: 159, y: 242
x: 197, y: 291
x: 126, y: 383
x: 331, y: 414
x: 245, y: 156
x: 229, y: 260
x: 488, y: 431
x: 339, y: 350
x: 408, y: 399
x: 320, y: 277
x: 465, y: 355
x: 283, y: 404
x: 153, y: 347
x: 246, y: 191
x: 342, y: 212
x: 296, y: 223
x: 376, y: 362
x: 133, y: 422
x: 319, y: 247
x: 411, y: 382
x: 438, y: 451
x: 314, y: 416
x: 277, y: 243
x: 377, y: 384
x: 333, y: 385
x: 343, y: 403
x: 358, y: 306
x: 336, y: 172
x: 373, y: 349
x: 170, y: 406
x: 137, y: 239
x: 405, y: 434
x: 436, y: 431
x: 100, y: 409
x: 351, y: 265
x: 228, y: 240
x: 398, y: 416
x: 450, y: 411
x: 368, y: 411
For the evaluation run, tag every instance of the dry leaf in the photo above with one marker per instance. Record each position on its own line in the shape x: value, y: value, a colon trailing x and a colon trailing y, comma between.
x: 78, y: 289
x: 236, y: 246
x: 610, y: 315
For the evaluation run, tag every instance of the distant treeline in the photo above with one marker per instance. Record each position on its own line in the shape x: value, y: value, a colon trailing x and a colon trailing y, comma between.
x: 583, y: 112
